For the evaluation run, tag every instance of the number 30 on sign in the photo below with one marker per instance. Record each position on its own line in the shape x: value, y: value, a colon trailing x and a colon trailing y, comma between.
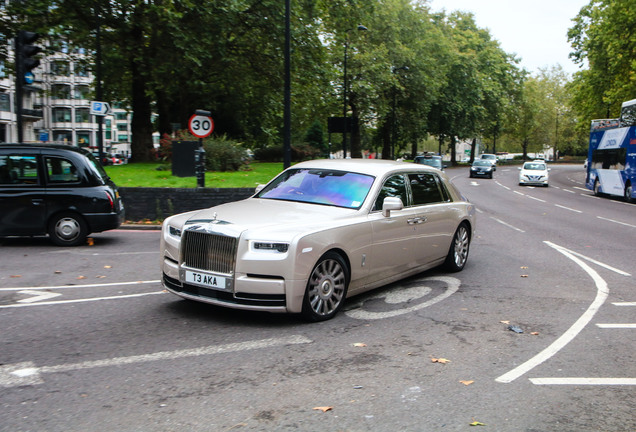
x: 201, y: 126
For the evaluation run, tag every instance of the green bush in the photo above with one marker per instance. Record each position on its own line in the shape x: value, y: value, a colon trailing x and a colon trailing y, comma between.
x: 222, y: 154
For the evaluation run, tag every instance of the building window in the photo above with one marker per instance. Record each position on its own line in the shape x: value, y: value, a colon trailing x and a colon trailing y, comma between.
x: 82, y: 115
x: 5, y: 102
x: 60, y: 68
x: 122, y: 138
x: 81, y: 70
x: 84, y: 139
x: 61, y: 115
x: 63, y: 136
x: 82, y: 92
x: 122, y: 127
x: 60, y: 91
x: 121, y: 116
x: 2, y: 73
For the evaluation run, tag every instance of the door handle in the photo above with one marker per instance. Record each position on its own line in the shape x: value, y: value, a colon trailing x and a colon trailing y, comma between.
x: 417, y: 220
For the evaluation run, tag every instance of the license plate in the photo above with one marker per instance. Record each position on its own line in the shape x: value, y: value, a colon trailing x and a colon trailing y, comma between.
x: 204, y: 279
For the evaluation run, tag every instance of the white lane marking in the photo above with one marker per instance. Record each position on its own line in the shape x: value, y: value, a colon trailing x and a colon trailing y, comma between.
x: 569, y: 191
x: 81, y: 286
x: 80, y: 300
x: 568, y: 208
x: 591, y: 196
x: 616, y: 326
x: 508, y: 225
x: 602, y: 291
x: 616, y: 222
x: 600, y: 264
x: 38, y: 296
x: 474, y: 183
x: 624, y: 304
x: 583, y: 189
x: 536, y: 199
x: 26, y: 373
x: 519, y: 193
x: 583, y: 381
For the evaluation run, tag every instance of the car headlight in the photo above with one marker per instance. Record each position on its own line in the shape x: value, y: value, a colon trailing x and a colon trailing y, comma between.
x: 175, y: 232
x: 273, y: 247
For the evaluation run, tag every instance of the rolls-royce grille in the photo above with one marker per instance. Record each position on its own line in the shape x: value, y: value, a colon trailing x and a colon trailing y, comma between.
x: 211, y: 252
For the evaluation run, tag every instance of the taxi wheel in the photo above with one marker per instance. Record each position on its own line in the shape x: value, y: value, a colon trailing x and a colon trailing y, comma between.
x: 68, y: 229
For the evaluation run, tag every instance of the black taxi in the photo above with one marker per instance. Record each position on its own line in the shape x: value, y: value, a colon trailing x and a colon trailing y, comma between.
x: 59, y: 190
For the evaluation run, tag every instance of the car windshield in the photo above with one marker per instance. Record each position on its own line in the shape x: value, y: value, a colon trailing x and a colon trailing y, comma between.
x: 434, y: 162
x: 318, y: 186
x: 534, y: 166
x: 482, y: 163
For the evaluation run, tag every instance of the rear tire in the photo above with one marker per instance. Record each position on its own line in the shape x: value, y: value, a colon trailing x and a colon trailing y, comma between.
x: 458, y: 253
x: 68, y: 229
x: 597, y: 188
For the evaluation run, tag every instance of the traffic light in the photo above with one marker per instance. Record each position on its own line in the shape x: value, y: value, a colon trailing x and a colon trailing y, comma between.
x: 24, y: 51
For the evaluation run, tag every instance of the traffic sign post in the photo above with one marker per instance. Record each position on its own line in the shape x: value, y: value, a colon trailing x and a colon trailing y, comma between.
x: 99, y: 108
x: 201, y: 126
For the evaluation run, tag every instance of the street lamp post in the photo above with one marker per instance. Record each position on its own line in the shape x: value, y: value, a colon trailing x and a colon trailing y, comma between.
x: 344, y: 92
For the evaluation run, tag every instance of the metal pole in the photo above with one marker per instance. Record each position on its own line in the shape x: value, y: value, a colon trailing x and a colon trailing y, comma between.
x: 287, y: 96
x: 98, y: 90
x: 344, y: 103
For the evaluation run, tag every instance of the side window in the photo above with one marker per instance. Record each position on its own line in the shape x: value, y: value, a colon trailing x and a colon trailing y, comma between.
x: 425, y: 189
x: 394, y: 186
x: 18, y: 170
x: 59, y: 170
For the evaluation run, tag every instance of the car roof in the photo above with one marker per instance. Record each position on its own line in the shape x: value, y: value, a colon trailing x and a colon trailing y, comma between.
x: 373, y: 167
x: 40, y: 146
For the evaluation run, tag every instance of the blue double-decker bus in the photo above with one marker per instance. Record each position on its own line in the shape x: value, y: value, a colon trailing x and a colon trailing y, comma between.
x: 611, y: 158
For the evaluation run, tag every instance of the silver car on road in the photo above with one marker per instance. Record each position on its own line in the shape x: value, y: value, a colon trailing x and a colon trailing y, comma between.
x: 319, y: 232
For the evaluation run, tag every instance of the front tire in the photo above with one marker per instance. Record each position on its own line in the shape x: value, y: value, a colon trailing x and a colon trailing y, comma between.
x: 68, y: 229
x: 326, y: 288
x: 458, y: 253
x: 628, y: 193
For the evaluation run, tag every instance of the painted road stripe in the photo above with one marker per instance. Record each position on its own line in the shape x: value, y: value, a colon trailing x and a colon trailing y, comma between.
x: 568, y: 208
x: 26, y: 373
x: 624, y: 304
x: 81, y: 286
x: 583, y: 381
x: 58, y: 302
x: 508, y: 225
x: 602, y: 291
x: 616, y: 326
x: 617, y: 222
x: 536, y: 199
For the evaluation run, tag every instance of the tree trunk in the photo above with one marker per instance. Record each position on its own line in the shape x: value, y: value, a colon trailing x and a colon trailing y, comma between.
x: 142, y: 147
x: 386, y: 140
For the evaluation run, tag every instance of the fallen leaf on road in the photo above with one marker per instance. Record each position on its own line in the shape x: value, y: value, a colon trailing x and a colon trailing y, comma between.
x: 524, y: 276
x: 57, y: 272
x: 81, y: 277
x: 467, y: 382
x: 476, y: 423
x: 359, y: 344
x: 524, y: 267
x: 16, y: 276
x: 107, y: 266
x: 323, y: 408
x: 535, y: 333
x: 90, y: 241
x: 440, y: 360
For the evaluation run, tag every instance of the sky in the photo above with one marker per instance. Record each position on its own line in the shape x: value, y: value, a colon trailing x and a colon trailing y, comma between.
x: 535, y: 30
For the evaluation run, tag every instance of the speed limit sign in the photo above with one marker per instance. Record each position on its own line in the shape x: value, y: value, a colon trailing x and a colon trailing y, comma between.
x: 201, y: 126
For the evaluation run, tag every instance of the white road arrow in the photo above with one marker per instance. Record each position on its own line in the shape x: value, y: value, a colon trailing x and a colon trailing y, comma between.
x: 38, y: 296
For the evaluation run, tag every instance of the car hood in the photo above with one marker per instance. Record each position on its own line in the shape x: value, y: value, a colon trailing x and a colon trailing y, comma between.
x: 282, y: 219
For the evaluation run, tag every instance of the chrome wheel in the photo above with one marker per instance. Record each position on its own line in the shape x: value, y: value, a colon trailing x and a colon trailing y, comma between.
x: 326, y: 288
x: 458, y: 253
x: 628, y: 193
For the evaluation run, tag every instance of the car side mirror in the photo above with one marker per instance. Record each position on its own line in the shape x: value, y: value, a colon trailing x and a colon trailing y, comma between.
x: 391, y: 203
